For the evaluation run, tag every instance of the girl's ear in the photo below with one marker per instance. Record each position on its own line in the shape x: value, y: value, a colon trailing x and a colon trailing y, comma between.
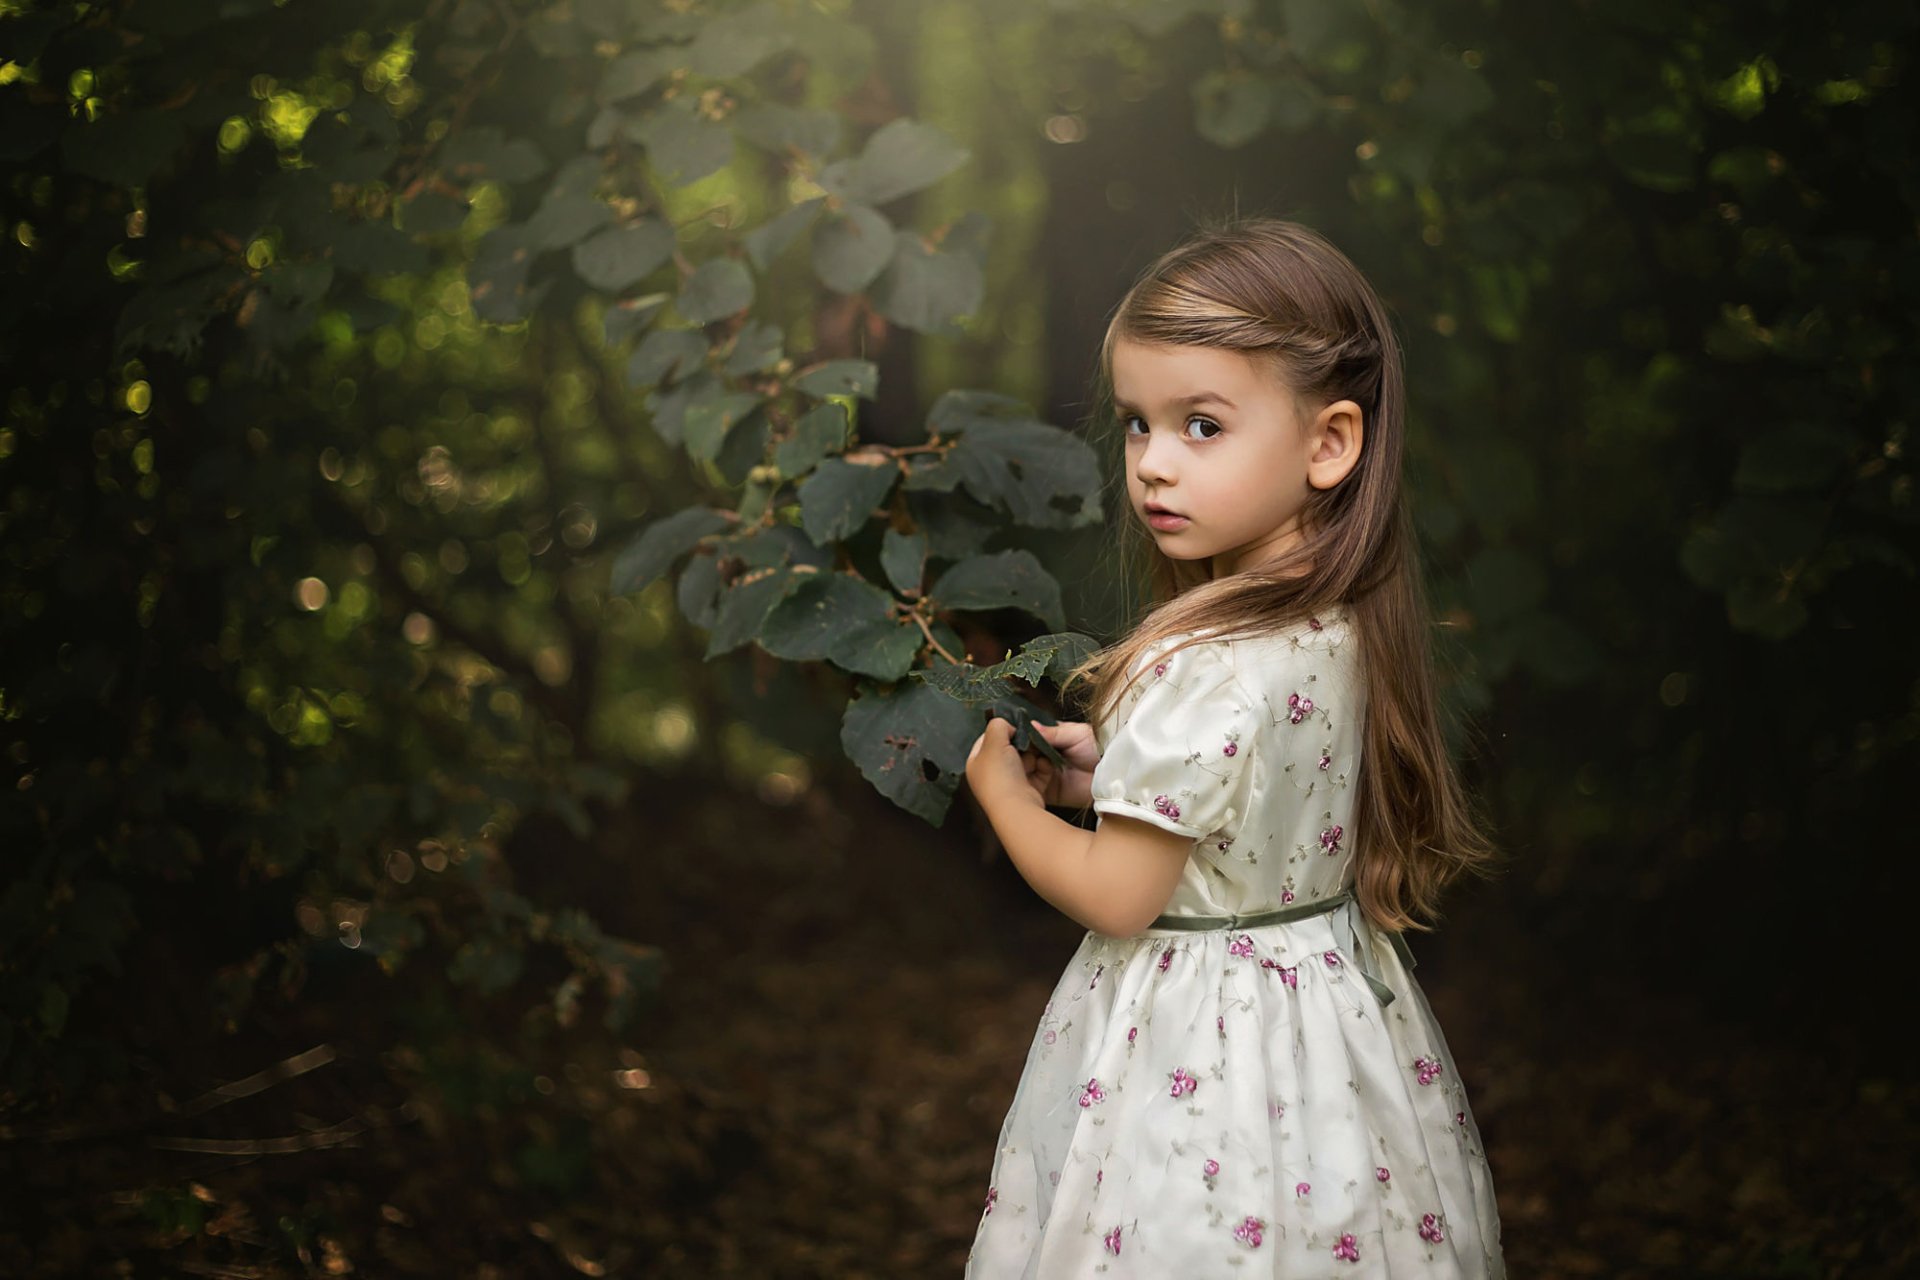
x: 1333, y: 443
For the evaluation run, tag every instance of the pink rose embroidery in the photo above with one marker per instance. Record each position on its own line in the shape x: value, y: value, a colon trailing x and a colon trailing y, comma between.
x: 1233, y: 745
x: 1430, y: 1229
x: 993, y: 1193
x: 1347, y: 1249
x: 1220, y: 1023
x: 1241, y: 946
x: 1460, y: 1118
x: 1113, y: 1241
x: 1314, y: 623
x: 1330, y: 838
x: 1380, y: 1173
x: 1332, y: 958
x: 1131, y: 1033
x: 1160, y: 668
x: 1091, y: 1093
x: 1210, y: 1168
x: 1166, y: 808
x: 1182, y: 1082
x: 1166, y: 958
x: 1289, y: 974
x: 1050, y: 1036
x: 1249, y: 1231
x: 1301, y: 1188
x: 1429, y: 1069
x: 1286, y: 896
x: 1298, y: 708
x: 1326, y: 762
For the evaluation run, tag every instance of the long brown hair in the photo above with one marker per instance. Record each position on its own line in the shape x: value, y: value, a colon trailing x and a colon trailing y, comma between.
x: 1282, y: 295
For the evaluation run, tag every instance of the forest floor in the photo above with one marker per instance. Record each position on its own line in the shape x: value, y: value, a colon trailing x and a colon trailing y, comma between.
x: 848, y: 1005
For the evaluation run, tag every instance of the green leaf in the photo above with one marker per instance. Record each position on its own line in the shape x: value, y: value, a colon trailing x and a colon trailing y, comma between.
x: 432, y: 212
x: 929, y: 289
x: 756, y: 348
x: 564, y: 218
x: 486, y: 152
x: 627, y: 316
x: 844, y: 620
x: 710, y: 418
x: 911, y: 743
x: 841, y: 378
x: 776, y: 127
x: 742, y: 448
x: 1231, y: 109
x: 903, y: 557
x: 698, y: 591
x: 669, y: 408
x: 821, y: 431
x: 732, y: 44
x: 901, y: 157
x: 666, y: 355
x: 852, y: 248
x: 840, y: 496
x: 661, y: 543
x: 681, y: 145
x: 718, y: 288
x: 623, y: 256
x: 497, y: 276
x: 1052, y: 655
x: 744, y: 606
x: 1039, y: 474
x: 768, y: 240
x: 1003, y: 580
x: 638, y: 70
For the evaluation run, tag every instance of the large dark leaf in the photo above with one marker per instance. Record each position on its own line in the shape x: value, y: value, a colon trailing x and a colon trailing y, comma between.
x: 911, y: 743
x: 844, y: 620
x: 653, y: 552
x: 1003, y: 580
x: 840, y: 496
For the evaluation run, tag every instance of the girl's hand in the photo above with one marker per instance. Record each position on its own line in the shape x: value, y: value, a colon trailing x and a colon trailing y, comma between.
x: 994, y: 769
x: 1073, y: 787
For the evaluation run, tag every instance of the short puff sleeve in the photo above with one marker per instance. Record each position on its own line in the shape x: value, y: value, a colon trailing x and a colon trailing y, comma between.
x: 1180, y: 750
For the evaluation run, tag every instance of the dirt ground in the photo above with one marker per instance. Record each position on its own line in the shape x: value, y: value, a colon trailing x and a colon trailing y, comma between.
x: 848, y: 1004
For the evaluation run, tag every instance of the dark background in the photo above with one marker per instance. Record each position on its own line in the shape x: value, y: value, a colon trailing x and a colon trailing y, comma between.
x: 331, y: 747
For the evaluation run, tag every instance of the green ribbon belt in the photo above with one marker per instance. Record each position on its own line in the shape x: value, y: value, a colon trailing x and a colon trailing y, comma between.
x: 1359, y: 932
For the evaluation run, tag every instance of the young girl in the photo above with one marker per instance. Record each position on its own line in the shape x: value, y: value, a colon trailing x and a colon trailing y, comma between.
x: 1238, y: 1075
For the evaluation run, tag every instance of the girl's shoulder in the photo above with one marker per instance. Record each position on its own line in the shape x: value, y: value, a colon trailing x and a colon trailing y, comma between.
x: 1324, y: 641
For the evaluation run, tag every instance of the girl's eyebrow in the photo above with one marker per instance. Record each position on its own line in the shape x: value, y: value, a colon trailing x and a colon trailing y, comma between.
x: 1198, y: 397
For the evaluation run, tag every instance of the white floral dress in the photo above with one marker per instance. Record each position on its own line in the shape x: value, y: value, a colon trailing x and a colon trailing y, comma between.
x: 1240, y: 1102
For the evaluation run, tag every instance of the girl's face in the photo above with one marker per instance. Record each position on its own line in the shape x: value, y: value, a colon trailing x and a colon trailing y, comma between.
x: 1217, y: 443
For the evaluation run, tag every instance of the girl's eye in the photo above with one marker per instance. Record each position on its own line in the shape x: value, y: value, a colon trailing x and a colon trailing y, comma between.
x: 1211, y: 428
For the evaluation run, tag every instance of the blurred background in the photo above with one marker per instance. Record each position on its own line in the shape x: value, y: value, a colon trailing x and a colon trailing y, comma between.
x: 386, y: 893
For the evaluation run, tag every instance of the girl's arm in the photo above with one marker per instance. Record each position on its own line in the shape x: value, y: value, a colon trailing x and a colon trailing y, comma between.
x: 1114, y: 880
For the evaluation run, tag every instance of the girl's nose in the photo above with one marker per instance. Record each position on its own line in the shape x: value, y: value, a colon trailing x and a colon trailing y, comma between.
x: 1153, y: 467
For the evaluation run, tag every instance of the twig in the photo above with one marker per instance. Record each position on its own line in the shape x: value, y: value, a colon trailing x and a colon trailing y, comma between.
x: 298, y: 1065
x: 927, y: 631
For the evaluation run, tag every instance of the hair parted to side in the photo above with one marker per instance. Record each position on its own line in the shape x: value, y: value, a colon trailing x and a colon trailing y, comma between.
x: 1282, y: 295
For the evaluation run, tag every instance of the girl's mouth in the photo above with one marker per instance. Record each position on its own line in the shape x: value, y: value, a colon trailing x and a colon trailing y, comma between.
x: 1166, y: 521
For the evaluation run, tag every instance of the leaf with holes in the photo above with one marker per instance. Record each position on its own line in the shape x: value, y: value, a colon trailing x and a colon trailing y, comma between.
x: 911, y: 743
